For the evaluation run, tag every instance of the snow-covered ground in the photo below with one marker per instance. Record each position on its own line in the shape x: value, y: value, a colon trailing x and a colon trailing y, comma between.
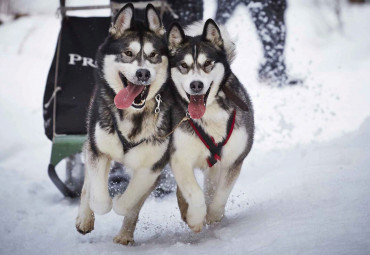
x: 304, y: 189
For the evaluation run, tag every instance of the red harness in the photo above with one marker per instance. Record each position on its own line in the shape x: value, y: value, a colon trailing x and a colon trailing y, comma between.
x: 209, y: 141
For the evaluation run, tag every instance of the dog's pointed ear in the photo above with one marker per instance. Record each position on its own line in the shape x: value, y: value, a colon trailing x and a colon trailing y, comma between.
x: 153, y: 21
x: 122, y: 21
x: 176, y: 36
x: 212, y: 33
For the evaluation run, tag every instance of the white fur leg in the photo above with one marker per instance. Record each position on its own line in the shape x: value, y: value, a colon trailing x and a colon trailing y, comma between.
x: 141, y: 181
x: 216, y: 208
x: 191, y: 191
x: 98, y: 171
x: 195, y: 217
x: 85, y: 218
x: 211, y: 177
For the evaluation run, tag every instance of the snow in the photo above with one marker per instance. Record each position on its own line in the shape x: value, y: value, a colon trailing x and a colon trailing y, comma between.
x: 304, y: 188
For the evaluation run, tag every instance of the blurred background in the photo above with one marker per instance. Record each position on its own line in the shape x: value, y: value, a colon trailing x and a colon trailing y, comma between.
x: 304, y: 188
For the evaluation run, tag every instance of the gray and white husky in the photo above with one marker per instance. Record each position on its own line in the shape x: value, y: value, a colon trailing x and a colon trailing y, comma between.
x: 219, y: 134
x: 127, y: 119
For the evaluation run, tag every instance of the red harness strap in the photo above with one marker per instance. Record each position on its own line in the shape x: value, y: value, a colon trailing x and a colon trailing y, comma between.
x: 209, y: 141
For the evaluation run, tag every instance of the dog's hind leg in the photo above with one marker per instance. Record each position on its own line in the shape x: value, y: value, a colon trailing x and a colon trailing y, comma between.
x: 216, y: 208
x: 126, y: 233
x: 97, y: 168
x: 211, y: 177
x: 141, y: 181
x: 85, y: 218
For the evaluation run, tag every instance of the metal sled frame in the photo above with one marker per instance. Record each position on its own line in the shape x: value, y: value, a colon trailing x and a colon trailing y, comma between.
x: 64, y: 146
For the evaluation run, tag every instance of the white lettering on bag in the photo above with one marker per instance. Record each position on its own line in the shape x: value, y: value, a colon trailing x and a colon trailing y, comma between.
x: 75, y: 59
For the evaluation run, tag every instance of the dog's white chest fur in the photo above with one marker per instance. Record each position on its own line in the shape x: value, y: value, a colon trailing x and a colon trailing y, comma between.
x: 215, y: 122
x: 143, y: 155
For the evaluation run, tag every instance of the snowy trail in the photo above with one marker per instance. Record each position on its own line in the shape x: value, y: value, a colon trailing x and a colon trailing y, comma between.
x: 304, y: 188
x: 307, y: 200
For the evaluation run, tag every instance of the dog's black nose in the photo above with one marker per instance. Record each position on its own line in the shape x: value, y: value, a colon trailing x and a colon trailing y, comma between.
x: 143, y: 75
x: 196, y: 86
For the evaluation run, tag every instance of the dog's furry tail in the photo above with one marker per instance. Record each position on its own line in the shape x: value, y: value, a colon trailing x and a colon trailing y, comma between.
x: 196, y: 28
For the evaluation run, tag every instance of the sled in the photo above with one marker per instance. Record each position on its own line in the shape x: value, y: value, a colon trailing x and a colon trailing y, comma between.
x: 69, y: 86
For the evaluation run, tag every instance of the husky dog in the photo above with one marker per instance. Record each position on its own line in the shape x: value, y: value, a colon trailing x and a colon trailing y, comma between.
x: 126, y: 119
x: 219, y: 133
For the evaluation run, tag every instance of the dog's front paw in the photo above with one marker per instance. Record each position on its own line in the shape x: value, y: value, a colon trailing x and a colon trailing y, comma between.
x: 195, y: 217
x: 100, y: 202
x: 85, y: 224
x: 121, y: 205
x: 212, y: 218
x: 102, y: 206
x: 124, y: 239
x: 214, y: 214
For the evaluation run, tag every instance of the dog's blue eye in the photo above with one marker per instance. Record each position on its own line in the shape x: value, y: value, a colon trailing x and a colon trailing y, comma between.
x: 153, y: 54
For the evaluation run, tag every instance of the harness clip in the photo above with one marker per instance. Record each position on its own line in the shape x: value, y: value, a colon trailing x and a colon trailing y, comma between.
x: 159, y: 101
x: 188, y: 115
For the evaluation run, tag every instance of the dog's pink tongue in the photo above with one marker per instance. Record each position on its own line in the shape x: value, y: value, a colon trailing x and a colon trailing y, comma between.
x: 196, y: 106
x: 126, y: 96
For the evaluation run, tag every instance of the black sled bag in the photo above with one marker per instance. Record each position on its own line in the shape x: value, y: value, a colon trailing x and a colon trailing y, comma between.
x: 70, y: 81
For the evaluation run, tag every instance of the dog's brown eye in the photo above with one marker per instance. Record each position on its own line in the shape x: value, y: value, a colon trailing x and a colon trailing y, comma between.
x: 184, y: 65
x: 153, y: 54
x: 128, y: 53
x: 207, y: 63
